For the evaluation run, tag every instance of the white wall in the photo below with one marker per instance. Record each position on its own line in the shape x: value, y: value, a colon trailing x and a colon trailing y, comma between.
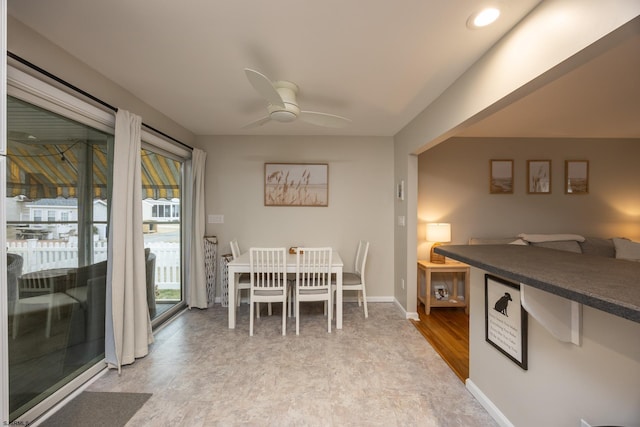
x: 597, y: 381
x: 454, y: 187
x: 361, y: 196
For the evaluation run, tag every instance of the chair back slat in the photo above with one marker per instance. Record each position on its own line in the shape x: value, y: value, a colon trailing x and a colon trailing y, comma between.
x: 268, y: 268
x: 313, y: 268
x: 235, y: 248
x: 361, y: 257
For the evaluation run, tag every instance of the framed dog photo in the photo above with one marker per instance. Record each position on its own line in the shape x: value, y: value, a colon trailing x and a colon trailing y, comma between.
x: 505, y: 319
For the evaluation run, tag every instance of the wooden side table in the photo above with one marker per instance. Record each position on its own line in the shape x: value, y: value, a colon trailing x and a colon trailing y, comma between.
x: 427, y: 297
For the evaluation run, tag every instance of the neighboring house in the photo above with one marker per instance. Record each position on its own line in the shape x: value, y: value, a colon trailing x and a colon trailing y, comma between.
x: 161, y: 210
x: 64, y: 210
x: 51, y: 211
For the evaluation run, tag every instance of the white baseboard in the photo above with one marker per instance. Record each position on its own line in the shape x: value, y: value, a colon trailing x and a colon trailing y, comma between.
x: 487, y: 404
x: 407, y: 314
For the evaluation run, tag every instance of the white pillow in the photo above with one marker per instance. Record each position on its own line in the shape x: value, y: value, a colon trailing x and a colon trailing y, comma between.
x: 626, y: 249
x: 537, y: 238
x: 519, y: 242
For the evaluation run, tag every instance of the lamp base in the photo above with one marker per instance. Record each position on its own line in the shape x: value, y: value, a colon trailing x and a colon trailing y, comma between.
x: 434, y: 257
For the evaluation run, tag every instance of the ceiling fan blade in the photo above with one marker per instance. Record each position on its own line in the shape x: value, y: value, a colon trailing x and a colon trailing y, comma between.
x: 324, y: 119
x: 264, y: 87
x: 256, y: 123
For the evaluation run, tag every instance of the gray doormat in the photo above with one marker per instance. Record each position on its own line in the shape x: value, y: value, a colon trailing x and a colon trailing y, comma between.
x: 98, y: 409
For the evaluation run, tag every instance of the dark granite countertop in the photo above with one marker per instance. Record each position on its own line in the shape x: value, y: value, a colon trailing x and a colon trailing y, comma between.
x: 608, y: 284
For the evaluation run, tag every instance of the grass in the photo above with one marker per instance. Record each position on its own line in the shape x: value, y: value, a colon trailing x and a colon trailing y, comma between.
x: 172, y: 294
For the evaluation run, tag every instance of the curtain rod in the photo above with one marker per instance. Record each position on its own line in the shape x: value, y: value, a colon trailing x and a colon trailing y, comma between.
x: 86, y: 94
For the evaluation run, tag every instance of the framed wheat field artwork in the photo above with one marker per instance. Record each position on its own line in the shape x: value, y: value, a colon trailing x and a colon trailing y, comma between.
x: 576, y: 176
x: 501, y: 177
x: 539, y: 176
x: 296, y: 184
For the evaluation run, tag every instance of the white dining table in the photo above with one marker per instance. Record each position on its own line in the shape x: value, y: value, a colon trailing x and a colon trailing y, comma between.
x: 242, y: 265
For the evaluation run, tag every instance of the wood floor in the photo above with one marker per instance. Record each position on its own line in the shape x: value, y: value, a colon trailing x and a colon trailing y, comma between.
x: 447, y: 330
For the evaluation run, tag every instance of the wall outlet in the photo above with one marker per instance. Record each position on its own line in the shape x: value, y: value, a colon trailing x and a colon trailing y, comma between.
x: 583, y: 423
x: 402, y: 283
x: 215, y: 219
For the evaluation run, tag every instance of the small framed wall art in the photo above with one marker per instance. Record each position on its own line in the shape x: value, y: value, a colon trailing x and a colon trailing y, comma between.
x: 539, y: 176
x: 296, y: 184
x: 501, y: 176
x: 505, y: 319
x: 576, y: 176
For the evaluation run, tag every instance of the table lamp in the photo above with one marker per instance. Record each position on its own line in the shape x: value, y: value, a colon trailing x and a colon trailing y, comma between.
x: 438, y: 232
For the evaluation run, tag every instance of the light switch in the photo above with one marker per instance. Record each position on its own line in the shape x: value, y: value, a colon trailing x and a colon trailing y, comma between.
x: 401, y: 220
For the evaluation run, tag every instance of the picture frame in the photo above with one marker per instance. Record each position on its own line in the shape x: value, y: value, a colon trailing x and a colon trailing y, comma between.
x: 538, y: 176
x: 441, y: 292
x: 576, y: 176
x: 296, y: 184
x: 506, y: 325
x: 501, y: 176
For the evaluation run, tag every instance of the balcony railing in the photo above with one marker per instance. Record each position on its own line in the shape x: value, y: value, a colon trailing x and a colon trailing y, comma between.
x: 45, y: 255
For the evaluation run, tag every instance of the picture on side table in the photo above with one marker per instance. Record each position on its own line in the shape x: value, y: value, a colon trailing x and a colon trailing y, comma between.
x: 441, y: 292
x: 539, y: 176
x: 501, y: 176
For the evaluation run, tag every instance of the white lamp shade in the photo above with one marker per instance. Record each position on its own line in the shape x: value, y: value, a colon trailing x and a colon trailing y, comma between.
x: 438, y: 232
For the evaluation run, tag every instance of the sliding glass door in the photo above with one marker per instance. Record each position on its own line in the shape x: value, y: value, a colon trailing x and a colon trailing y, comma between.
x: 162, y: 227
x: 58, y: 174
x: 57, y: 182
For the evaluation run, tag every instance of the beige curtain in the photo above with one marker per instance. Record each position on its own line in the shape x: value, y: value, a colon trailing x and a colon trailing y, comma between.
x: 196, y: 277
x: 127, y: 323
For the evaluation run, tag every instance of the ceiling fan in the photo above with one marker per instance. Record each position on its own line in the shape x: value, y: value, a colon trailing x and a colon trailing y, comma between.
x: 283, y: 106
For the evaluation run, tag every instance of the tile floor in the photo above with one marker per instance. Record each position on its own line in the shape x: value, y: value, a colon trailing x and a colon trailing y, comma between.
x: 375, y: 372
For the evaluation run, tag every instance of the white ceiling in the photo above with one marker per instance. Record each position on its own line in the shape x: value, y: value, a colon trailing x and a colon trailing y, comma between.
x: 377, y: 62
x: 599, y: 99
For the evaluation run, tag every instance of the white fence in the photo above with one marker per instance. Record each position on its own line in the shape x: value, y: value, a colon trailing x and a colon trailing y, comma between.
x: 44, y: 255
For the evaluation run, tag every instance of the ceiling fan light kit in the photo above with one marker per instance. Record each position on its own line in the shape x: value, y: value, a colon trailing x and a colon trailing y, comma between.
x: 283, y: 105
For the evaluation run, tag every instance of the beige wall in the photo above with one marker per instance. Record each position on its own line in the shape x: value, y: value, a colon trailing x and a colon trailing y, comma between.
x: 361, y: 198
x: 454, y: 187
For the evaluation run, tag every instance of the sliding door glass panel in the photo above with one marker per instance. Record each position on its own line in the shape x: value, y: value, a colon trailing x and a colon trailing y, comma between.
x: 162, y: 227
x: 58, y: 184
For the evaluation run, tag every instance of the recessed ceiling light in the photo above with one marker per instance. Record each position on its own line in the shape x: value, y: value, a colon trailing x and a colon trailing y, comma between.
x: 483, y: 18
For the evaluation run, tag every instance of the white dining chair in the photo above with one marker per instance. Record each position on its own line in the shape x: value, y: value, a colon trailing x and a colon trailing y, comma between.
x: 355, y: 281
x: 268, y: 275
x: 243, y: 281
x: 313, y: 279
x: 39, y: 294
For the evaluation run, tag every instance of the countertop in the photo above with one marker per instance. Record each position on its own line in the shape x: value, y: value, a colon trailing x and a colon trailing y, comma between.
x: 608, y: 284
